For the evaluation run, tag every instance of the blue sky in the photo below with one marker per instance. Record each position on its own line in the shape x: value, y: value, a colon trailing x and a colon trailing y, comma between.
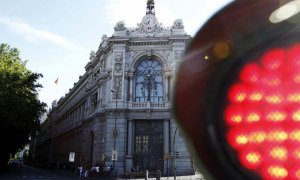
x: 57, y: 36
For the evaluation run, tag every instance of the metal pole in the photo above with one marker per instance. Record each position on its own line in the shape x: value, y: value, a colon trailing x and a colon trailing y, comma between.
x: 174, y: 154
x: 167, y: 168
x: 115, y: 133
x: 34, y: 149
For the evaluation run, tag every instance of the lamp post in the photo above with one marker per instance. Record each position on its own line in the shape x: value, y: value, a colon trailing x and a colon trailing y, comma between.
x: 174, y: 154
x: 34, y: 147
x: 115, y: 131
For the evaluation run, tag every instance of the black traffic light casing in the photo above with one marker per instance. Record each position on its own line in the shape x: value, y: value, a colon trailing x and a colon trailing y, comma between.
x: 177, y: 155
x: 238, y: 33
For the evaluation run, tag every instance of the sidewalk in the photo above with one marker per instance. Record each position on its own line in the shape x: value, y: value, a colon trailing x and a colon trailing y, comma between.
x: 191, y: 177
x: 76, y: 176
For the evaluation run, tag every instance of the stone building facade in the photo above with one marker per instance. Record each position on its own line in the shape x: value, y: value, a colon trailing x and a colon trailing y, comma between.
x: 119, y: 112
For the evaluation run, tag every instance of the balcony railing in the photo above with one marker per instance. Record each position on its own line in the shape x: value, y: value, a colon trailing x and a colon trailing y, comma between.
x: 141, y: 105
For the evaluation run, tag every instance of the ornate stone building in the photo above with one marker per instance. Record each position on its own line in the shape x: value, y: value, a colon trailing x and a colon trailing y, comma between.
x: 121, y: 107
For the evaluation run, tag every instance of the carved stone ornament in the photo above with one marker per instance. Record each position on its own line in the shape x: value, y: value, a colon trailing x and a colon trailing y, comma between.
x: 148, y: 27
x: 177, y: 24
x: 54, y: 103
x: 132, y: 54
x: 118, y: 68
x: 92, y: 55
x: 166, y: 54
x: 118, y: 57
x: 104, y: 37
x: 120, y: 26
x: 117, y: 83
x: 117, y: 86
x: 149, y: 24
x: 104, y: 41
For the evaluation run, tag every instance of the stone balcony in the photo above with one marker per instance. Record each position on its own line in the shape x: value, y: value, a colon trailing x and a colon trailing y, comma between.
x: 145, y: 105
x: 134, y: 105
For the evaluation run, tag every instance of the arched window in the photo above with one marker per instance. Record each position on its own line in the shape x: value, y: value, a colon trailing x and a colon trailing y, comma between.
x: 149, y: 81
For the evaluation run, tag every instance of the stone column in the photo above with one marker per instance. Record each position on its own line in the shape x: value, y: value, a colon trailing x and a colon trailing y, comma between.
x: 77, y: 115
x: 99, y: 96
x: 167, y: 75
x: 130, y: 77
x: 166, y: 88
x: 89, y: 104
x: 129, y: 162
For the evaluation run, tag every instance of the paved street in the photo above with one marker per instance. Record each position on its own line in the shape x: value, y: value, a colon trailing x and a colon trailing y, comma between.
x: 33, y: 173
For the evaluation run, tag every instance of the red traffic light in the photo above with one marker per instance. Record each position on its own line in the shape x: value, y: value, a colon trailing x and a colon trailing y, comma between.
x: 263, y: 114
x: 238, y: 92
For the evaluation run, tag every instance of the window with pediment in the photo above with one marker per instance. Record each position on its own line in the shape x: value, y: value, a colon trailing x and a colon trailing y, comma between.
x: 149, y: 81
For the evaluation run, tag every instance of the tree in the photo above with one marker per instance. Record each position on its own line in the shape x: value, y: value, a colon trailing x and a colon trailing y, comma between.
x: 20, y: 108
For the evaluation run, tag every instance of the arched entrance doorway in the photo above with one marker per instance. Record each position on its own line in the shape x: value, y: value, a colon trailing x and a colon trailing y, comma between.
x: 148, y: 145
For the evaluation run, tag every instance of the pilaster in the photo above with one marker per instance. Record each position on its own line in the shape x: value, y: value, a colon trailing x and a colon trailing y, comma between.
x: 129, y: 162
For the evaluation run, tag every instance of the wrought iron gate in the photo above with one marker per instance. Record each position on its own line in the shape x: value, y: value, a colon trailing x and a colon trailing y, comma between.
x: 148, y: 145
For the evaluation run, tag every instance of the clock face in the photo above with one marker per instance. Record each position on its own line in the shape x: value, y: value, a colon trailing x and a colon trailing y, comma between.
x: 149, y: 23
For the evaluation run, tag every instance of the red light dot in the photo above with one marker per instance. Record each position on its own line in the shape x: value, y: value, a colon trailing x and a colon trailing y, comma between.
x: 255, y: 95
x: 277, y: 136
x: 293, y: 96
x: 295, y: 171
x: 257, y: 137
x: 234, y: 115
x: 237, y: 93
x: 271, y: 80
x: 250, y: 73
x: 274, y: 98
x: 278, y: 153
x: 274, y: 59
x: 275, y: 171
x: 295, y: 154
x: 237, y: 138
x: 251, y: 159
x: 295, y: 75
x: 294, y: 135
x: 251, y: 114
x: 276, y: 116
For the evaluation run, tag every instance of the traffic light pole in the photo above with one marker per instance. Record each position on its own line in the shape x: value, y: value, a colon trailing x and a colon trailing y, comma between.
x: 174, y: 154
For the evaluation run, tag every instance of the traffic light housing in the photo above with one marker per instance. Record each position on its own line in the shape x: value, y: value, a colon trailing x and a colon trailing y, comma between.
x: 177, y: 155
x: 237, y: 94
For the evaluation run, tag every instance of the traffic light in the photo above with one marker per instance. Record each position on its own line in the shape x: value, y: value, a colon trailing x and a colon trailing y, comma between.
x: 237, y: 92
x: 177, y: 155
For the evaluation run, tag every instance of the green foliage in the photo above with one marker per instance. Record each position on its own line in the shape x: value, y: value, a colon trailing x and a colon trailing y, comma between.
x: 20, y: 108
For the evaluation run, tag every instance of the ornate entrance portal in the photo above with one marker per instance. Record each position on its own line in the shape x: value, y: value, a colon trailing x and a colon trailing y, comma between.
x: 148, y: 145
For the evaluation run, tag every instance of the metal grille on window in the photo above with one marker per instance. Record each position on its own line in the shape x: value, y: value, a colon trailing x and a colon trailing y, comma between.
x: 149, y: 145
x: 149, y: 81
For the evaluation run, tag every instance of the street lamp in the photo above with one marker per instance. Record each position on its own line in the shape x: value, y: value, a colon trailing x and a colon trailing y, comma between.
x: 115, y: 131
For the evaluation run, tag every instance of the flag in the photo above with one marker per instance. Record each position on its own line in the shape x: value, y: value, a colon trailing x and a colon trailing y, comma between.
x: 56, y: 81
